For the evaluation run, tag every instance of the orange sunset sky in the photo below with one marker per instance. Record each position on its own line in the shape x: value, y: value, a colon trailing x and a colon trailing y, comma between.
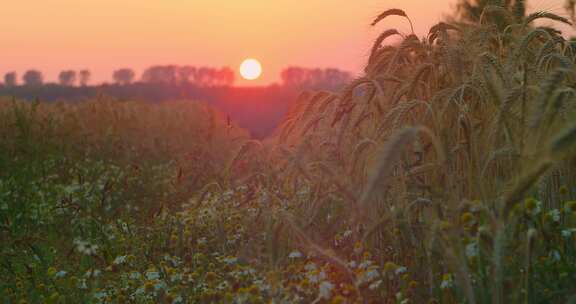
x: 102, y: 35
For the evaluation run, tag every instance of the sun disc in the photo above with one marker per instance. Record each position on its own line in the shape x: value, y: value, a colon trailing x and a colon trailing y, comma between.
x: 250, y: 69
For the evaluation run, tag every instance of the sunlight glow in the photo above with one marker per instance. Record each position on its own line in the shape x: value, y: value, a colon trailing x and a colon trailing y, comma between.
x: 250, y: 69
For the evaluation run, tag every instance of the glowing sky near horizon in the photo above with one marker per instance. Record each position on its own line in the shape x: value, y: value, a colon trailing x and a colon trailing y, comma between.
x: 102, y: 35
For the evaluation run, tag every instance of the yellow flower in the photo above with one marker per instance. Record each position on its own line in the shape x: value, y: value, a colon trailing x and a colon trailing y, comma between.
x: 130, y: 258
x: 357, y: 247
x: 571, y: 206
x: 367, y: 255
x: 211, y: 277
x: 170, y: 297
x: 338, y: 300
x: 170, y: 270
x: 149, y: 286
x: 51, y: 271
x: 253, y: 289
x: 390, y: 266
x: 413, y: 284
x: 530, y: 204
x: 467, y: 218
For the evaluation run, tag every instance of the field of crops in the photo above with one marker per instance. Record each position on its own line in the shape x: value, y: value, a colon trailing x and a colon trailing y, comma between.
x: 445, y: 174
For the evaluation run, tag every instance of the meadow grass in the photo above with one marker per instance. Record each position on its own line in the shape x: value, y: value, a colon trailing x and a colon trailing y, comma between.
x: 445, y: 174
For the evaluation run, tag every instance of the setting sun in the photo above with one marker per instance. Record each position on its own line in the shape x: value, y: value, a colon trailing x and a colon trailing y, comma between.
x: 250, y: 69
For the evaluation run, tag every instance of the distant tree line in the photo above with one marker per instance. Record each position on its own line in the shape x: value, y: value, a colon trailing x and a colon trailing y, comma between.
x: 296, y: 77
x: 306, y: 78
x: 159, y: 74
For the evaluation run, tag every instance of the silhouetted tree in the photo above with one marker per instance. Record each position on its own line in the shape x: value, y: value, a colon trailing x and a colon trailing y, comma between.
x: 123, y: 76
x: 67, y: 78
x: 204, y: 77
x: 85, y: 77
x: 165, y: 74
x: 33, y: 78
x: 226, y: 77
x: 186, y: 74
x: 314, y: 78
x: 10, y: 79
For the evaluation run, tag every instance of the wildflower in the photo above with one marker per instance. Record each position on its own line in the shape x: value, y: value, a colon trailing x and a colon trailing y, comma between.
x: 358, y: 247
x: 310, y: 267
x: 447, y: 281
x: 230, y: 260
x: 51, y: 271
x: 149, y: 286
x: 390, y: 266
x: 152, y: 274
x: 570, y: 207
x: 120, y: 260
x: 325, y: 290
x: 338, y: 300
x: 365, y: 265
x: 532, y: 206
x: 554, y: 215
x: 554, y: 256
x: 295, y: 254
x: 211, y: 277
x: 100, y: 295
x: 92, y: 273
x: 60, y: 274
x: 375, y: 285
x: 134, y: 275
x: 400, y: 298
x: 413, y: 284
x: 472, y: 250
x: 253, y: 289
x: 467, y: 218
x: 567, y: 233
x: 85, y: 247
x: 400, y: 270
x: 367, y: 255
x: 347, y: 233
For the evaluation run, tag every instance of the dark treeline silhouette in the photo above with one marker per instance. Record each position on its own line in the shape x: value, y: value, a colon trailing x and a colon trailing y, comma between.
x: 258, y: 109
x: 199, y: 76
x: 306, y: 78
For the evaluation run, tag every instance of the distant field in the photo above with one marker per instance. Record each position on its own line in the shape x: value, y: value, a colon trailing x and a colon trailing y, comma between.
x: 257, y: 109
